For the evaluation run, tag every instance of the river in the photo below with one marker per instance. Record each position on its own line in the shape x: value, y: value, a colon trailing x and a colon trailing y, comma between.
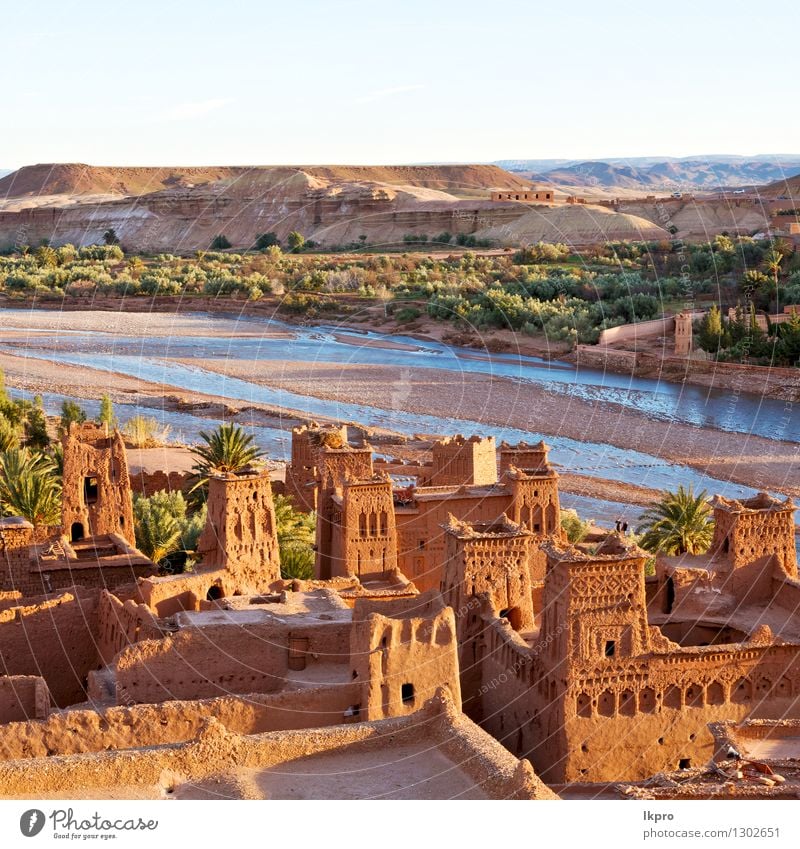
x: 151, y: 359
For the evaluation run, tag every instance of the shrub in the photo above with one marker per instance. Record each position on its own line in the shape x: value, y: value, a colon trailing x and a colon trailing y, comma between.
x: 266, y: 240
x: 296, y: 242
x: 407, y: 314
x: 574, y: 527
x: 71, y: 412
x: 144, y: 432
x: 220, y: 243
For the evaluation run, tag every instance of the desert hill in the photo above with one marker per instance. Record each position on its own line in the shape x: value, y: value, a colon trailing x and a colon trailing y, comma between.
x: 184, y: 209
x: 785, y: 187
x: 75, y: 179
x: 578, y: 225
x: 650, y: 175
x: 459, y: 180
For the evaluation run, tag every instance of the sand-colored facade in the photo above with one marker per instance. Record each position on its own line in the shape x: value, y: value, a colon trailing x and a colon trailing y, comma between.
x: 583, y: 669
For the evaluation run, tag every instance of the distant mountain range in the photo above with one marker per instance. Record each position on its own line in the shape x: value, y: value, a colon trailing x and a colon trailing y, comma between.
x: 654, y: 173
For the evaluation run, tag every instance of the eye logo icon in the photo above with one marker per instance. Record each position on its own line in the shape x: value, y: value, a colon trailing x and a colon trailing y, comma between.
x: 31, y: 822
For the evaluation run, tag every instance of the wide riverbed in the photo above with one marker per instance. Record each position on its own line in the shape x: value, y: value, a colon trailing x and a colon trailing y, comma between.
x: 150, y: 348
x: 741, y: 412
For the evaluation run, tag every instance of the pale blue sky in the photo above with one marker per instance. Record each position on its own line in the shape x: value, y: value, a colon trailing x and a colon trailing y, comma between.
x: 245, y: 82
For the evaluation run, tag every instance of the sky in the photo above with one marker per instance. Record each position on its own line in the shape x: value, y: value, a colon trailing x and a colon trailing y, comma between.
x: 240, y: 82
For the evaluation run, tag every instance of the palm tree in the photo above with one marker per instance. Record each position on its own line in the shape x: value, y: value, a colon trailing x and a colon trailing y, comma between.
x: 295, y: 531
x: 680, y: 523
x: 772, y: 262
x: 226, y: 449
x: 297, y: 563
x: 110, y: 237
x: 158, y: 532
x: 9, y: 436
x: 29, y: 487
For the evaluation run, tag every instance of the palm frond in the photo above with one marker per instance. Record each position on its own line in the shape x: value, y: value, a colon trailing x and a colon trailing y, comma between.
x: 680, y: 523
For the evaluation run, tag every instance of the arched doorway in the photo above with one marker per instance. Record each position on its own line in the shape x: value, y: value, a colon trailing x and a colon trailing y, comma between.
x: 214, y: 593
x: 77, y: 532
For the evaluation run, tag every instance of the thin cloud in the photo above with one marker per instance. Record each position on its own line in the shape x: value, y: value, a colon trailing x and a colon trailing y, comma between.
x: 383, y: 93
x: 195, y: 109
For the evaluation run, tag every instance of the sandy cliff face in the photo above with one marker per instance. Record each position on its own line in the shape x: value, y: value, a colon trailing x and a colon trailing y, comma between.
x: 334, y: 205
x: 582, y: 224
x: 174, y: 209
x: 70, y: 179
x: 700, y: 219
x: 74, y: 178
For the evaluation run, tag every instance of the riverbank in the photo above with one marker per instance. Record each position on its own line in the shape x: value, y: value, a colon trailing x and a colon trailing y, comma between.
x: 653, y: 362
x: 751, y: 460
x: 39, y: 376
x: 452, y: 395
x: 229, y: 317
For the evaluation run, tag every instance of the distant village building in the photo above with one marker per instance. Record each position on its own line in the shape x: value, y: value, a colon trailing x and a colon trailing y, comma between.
x: 762, y: 319
x: 525, y: 196
x: 683, y: 334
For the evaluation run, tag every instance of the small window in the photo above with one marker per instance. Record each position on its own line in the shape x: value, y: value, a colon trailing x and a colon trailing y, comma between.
x: 611, y: 648
x: 685, y: 763
x: 421, y: 545
x: 407, y: 693
x: 513, y: 616
x: 90, y: 489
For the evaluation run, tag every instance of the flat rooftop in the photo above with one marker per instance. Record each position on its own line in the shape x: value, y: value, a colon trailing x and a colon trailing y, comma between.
x: 300, y: 608
x: 773, y: 748
x: 413, y: 770
x: 783, y: 623
x: 434, y: 753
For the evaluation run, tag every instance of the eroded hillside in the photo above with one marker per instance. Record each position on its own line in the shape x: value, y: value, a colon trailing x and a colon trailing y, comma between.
x: 163, y: 209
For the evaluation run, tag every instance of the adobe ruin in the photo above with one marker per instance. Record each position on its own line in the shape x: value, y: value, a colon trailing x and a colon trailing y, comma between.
x: 523, y: 196
x: 455, y: 595
x: 95, y: 544
x: 240, y: 535
x: 96, y: 499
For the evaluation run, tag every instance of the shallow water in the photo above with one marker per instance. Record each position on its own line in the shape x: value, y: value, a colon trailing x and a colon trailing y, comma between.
x: 590, y: 458
x: 184, y: 428
x: 148, y: 359
x: 737, y: 411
